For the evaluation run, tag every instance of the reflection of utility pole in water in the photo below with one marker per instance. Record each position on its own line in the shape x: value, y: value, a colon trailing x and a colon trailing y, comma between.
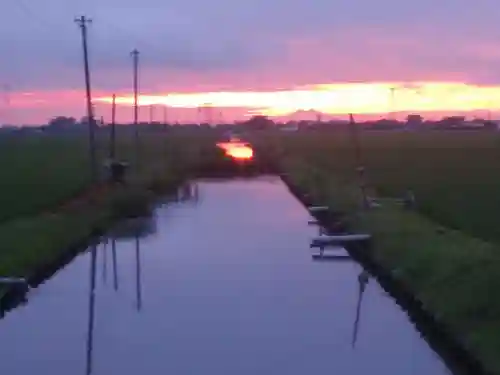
x: 105, y: 261
x: 363, y: 279
x: 196, y: 193
x: 138, y: 272
x: 115, y: 271
x: 90, y: 329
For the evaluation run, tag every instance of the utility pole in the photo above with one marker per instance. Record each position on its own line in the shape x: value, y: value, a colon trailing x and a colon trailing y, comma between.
x: 165, y: 134
x: 83, y: 22
x: 135, y: 57
x: 112, y: 146
x: 209, y: 114
x: 359, y: 167
x: 151, y: 113
x: 199, y: 113
x: 392, y: 98
x: 165, y: 115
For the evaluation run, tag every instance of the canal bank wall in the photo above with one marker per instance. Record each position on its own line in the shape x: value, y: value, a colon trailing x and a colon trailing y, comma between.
x: 458, y: 356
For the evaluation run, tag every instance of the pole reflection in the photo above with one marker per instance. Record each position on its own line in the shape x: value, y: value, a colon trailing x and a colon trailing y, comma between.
x: 363, y: 279
x: 188, y: 192
x: 105, y: 262
x: 115, y: 270
x: 138, y: 272
x: 90, y: 329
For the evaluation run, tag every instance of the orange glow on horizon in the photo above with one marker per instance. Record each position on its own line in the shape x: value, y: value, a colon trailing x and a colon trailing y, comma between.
x: 237, y: 150
x: 338, y: 99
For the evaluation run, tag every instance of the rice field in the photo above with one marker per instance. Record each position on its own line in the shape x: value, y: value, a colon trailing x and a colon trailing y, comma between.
x: 46, y: 204
x: 454, y: 175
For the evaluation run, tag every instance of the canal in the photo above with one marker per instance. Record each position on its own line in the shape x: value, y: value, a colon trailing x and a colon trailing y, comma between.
x: 220, y: 283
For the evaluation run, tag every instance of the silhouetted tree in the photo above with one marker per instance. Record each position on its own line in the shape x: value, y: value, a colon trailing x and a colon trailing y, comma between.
x: 61, y: 123
x: 258, y: 123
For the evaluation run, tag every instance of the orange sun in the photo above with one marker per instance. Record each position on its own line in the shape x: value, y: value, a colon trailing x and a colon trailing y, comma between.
x: 237, y: 150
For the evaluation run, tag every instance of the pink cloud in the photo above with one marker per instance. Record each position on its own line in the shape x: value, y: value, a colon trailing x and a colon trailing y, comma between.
x: 350, y: 55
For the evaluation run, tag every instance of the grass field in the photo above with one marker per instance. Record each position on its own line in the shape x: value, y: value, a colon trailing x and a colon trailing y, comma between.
x: 454, y: 177
x: 46, y: 204
x: 38, y: 173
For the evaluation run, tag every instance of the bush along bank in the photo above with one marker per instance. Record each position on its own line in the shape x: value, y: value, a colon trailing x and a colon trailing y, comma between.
x: 444, y: 279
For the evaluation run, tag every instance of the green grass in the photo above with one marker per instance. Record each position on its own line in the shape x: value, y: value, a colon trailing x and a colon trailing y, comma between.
x: 40, y: 173
x: 28, y: 243
x: 454, y: 274
x: 454, y: 175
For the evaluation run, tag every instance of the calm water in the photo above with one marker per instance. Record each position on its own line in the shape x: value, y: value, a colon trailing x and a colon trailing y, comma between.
x: 221, y: 284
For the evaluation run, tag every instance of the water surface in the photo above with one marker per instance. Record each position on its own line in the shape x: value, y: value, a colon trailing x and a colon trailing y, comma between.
x: 221, y: 284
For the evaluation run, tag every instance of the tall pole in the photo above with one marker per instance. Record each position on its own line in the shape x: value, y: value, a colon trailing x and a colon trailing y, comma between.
x: 112, y: 148
x: 165, y: 115
x: 355, y: 140
x: 135, y: 56
x: 359, y: 167
x: 209, y: 114
x: 151, y: 113
x: 83, y: 22
x: 393, y: 91
x: 199, y: 114
x: 165, y: 141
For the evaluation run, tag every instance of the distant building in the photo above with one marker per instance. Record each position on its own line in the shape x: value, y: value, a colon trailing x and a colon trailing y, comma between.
x: 451, y: 122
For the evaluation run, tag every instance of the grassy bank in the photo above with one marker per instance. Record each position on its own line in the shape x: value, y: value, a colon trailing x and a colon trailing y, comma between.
x: 452, y: 273
x: 453, y: 174
x: 50, y: 205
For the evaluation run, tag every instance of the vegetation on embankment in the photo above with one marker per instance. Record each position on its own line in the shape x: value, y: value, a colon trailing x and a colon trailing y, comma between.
x: 454, y: 175
x: 453, y: 275
x: 51, y: 207
x: 39, y: 173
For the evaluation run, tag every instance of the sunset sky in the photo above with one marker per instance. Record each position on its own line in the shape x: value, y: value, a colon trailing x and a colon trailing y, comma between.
x: 272, y: 57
